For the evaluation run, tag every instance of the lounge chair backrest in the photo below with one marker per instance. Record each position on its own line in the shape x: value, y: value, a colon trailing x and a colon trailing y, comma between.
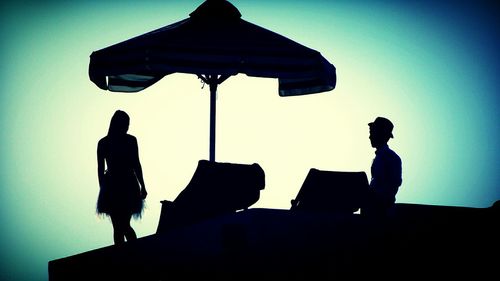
x: 333, y: 191
x: 215, y: 189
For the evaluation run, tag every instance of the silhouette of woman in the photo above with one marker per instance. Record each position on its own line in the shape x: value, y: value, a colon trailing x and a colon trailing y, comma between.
x: 122, y: 189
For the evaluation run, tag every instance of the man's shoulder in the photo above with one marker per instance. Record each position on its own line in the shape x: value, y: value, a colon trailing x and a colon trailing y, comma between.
x: 103, y: 140
x: 131, y: 138
x: 393, y: 155
x: 127, y: 138
x: 387, y: 152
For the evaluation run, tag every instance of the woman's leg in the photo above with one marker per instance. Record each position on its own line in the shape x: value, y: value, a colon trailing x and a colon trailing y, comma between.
x: 129, y: 231
x: 122, y: 228
x: 118, y: 229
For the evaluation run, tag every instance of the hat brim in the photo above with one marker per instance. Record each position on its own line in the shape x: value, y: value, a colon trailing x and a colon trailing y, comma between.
x: 373, y: 123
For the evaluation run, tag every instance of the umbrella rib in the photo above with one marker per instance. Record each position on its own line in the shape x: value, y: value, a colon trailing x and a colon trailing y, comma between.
x: 209, y: 79
x: 222, y: 78
x: 203, y: 78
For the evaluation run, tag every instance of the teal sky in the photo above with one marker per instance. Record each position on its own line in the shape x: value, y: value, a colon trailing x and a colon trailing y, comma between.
x: 431, y: 68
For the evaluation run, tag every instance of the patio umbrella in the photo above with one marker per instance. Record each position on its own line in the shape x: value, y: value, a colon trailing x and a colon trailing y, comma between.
x: 214, y: 43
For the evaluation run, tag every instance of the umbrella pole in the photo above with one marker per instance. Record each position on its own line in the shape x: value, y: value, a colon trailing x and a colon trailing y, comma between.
x: 213, y: 81
x: 213, y: 92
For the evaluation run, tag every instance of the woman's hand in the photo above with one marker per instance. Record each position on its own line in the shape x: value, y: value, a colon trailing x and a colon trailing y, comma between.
x: 144, y: 193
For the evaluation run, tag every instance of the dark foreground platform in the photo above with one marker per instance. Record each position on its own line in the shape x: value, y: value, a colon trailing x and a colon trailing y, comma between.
x: 416, y: 241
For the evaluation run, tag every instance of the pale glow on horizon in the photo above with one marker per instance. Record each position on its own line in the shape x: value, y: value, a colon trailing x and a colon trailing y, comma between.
x: 433, y: 74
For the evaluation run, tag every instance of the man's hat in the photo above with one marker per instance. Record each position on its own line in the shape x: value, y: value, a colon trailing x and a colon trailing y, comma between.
x: 383, y: 125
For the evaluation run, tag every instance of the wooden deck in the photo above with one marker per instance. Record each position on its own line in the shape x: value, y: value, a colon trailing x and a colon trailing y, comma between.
x: 417, y: 241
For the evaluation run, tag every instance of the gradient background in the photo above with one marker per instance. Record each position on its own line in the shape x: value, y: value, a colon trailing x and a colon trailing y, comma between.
x: 432, y: 68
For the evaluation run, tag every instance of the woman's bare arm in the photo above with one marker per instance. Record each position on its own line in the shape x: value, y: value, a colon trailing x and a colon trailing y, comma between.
x: 138, y: 170
x: 100, y: 164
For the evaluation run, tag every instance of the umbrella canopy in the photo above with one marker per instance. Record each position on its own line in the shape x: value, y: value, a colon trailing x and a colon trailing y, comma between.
x: 214, y: 43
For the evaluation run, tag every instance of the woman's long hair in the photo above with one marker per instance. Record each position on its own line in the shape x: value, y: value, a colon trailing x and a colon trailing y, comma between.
x: 119, y: 123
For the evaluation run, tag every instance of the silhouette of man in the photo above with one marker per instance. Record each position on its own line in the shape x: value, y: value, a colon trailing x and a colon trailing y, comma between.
x: 385, y: 170
x: 122, y: 189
